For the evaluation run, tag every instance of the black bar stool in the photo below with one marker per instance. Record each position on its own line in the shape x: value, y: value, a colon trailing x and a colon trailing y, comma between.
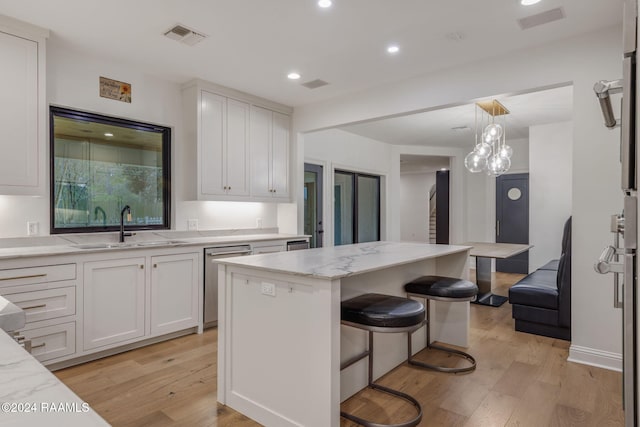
x: 441, y: 289
x: 382, y: 313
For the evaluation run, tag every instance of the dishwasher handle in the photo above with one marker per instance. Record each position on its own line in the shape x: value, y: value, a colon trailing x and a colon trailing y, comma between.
x: 222, y: 254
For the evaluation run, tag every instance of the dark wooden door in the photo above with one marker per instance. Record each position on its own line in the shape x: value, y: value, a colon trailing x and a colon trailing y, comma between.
x: 512, y: 219
x: 442, y: 207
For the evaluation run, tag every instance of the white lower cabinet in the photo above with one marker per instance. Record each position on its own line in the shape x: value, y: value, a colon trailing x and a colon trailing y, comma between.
x: 174, y: 292
x: 114, y: 301
x: 52, y: 342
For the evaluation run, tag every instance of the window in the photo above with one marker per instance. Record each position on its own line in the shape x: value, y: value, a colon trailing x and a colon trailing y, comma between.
x: 99, y: 164
x: 356, y: 208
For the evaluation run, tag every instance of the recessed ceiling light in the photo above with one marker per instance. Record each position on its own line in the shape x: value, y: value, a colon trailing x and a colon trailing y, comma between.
x: 108, y: 134
x: 325, y: 3
x: 393, y: 49
x: 293, y: 76
x: 529, y: 2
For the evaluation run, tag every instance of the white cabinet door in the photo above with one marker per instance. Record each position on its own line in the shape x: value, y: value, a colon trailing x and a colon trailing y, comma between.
x: 261, y: 131
x: 237, y: 148
x: 20, y: 162
x: 269, y: 153
x: 114, y: 301
x: 213, y: 121
x: 174, y: 292
x: 280, y: 156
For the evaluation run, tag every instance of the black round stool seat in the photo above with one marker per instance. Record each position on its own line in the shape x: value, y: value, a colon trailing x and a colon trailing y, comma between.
x: 442, y: 287
x: 385, y: 311
x: 386, y: 314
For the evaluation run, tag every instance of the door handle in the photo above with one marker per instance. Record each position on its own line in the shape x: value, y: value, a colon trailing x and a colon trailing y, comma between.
x: 604, y: 264
x: 498, y: 227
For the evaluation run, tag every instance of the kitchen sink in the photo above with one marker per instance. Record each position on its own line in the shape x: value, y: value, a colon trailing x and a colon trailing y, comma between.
x: 158, y: 243
x: 127, y: 244
x: 97, y: 246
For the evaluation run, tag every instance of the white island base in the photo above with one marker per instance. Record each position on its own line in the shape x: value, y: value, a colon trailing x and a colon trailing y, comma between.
x: 280, y: 342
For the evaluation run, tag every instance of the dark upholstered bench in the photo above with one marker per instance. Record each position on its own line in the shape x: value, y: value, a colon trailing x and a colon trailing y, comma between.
x: 541, y: 302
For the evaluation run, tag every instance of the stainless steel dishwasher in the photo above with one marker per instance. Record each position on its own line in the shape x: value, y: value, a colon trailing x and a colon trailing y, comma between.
x: 211, y: 278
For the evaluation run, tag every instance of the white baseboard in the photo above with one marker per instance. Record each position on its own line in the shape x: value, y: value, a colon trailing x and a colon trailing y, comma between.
x: 594, y: 357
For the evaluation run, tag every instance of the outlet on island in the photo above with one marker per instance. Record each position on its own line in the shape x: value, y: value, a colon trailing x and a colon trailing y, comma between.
x: 268, y: 289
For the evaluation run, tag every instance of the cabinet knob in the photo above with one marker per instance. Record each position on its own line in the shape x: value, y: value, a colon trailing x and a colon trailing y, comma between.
x: 141, y: 267
x: 155, y: 265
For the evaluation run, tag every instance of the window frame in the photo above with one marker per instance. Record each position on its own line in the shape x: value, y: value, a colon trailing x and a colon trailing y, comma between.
x: 56, y: 111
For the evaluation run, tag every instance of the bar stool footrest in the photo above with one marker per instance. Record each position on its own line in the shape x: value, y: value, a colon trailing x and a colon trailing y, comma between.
x: 366, y: 423
x: 452, y: 351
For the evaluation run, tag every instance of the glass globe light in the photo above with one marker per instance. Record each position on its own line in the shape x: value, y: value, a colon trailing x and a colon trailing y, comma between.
x: 483, y: 150
x: 495, y: 130
x: 493, y: 165
x: 474, y: 163
x: 505, y: 152
x: 487, y: 138
x: 497, y: 165
x: 505, y: 164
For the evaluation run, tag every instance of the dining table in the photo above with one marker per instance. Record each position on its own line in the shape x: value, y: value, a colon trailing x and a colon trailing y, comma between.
x: 484, y: 252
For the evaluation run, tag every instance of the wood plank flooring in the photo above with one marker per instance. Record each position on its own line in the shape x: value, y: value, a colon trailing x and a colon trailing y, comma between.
x: 521, y: 380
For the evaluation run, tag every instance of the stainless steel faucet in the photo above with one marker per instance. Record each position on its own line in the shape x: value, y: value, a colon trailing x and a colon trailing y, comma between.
x: 126, y: 209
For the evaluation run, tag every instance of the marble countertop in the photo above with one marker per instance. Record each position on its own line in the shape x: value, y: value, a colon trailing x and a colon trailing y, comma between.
x: 30, y: 395
x: 12, y: 317
x: 342, y: 261
x: 11, y: 248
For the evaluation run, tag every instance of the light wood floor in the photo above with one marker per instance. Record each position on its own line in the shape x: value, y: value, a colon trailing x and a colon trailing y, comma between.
x: 521, y: 380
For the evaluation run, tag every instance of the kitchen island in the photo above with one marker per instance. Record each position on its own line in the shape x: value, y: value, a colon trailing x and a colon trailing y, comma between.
x: 280, y: 342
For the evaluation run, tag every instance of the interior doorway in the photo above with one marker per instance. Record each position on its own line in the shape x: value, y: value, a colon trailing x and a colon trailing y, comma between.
x: 419, y: 199
x: 313, y: 190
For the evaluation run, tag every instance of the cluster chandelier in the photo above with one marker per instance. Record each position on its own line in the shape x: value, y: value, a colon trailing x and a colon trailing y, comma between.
x: 490, y: 153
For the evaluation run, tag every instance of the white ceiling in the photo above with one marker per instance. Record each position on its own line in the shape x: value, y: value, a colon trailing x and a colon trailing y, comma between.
x: 436, y: 127
x: 253, y: 44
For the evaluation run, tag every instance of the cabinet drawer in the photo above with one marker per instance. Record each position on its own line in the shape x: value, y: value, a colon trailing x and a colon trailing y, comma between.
x: 46, y: 304
x: 51, y: 342
x: 40, y: 274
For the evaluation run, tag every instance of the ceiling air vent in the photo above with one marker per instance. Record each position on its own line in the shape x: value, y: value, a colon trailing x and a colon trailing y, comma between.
x: 314, y: 84
x: 541, y: 18
x: 185, y: 35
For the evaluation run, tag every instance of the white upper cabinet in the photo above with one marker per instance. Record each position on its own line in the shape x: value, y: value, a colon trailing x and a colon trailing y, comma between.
x: 237, y: 148
x: 240, y: 149
x: 269, y: 153
x: 223, y: 153
x: 280, y: 158
x: 22, y: 110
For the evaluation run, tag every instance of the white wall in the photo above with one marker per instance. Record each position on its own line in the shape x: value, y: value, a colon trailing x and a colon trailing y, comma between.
x: 580, y: 60
x: 337, y: 149
x: 481, y: 195
x: 414, y: 205
x: 550, y: 188
x: 72, y: 81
